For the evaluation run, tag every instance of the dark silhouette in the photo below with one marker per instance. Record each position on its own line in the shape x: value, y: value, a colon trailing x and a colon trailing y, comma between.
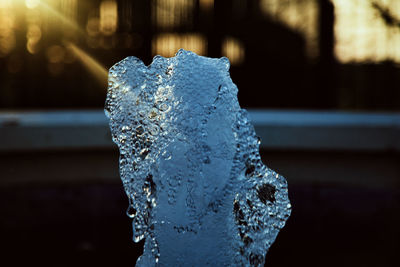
x: 275, y: 73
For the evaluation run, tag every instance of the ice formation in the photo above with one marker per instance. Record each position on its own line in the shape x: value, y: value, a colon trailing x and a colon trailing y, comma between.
x: 190, y: 165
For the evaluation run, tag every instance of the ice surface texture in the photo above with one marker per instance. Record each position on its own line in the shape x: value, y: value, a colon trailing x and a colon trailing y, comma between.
x: 189, y: 161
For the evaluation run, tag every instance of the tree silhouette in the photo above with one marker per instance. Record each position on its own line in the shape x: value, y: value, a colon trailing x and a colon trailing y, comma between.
x: 387, y: 16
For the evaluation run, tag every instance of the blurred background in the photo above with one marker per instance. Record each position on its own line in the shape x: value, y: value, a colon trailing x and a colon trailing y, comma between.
x: 321, y: 79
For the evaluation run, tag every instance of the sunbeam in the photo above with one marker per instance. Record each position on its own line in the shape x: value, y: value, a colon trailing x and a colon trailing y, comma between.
x: 99, y: 71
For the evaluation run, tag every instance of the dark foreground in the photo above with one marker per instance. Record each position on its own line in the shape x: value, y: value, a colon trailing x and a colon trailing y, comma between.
x: 84, y: 223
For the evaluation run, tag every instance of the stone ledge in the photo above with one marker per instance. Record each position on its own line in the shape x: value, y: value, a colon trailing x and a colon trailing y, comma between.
x: 279, y: 130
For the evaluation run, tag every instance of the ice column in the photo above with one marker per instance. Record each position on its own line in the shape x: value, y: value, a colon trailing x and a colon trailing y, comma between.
x: 189, y: 162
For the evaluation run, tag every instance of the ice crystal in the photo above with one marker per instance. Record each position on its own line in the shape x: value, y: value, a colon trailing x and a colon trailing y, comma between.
x: 189, y: 161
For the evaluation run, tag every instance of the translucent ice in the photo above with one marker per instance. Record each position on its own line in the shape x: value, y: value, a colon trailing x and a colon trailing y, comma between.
x: 189, y: 161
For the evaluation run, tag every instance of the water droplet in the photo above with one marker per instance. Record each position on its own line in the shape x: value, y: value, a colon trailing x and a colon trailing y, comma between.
x: 122, y: 138
x: 153, y: 130
x: 139, y: 130
x: 125, y: 128
x: 163, y: 107
x: 131, y: 212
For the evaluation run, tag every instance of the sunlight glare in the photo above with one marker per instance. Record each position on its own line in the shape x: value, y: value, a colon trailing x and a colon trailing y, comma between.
x: 32, y: 3
x: 5, y: 3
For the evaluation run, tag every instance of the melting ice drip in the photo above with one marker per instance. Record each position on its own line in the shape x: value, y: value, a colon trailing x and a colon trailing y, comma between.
x: 189, y: 161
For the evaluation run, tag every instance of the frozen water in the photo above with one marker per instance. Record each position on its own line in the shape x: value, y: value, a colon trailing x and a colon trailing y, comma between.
x: 189, y: 161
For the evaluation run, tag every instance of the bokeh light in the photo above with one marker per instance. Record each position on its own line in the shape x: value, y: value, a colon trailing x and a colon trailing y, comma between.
x: 234, y: 50
x: 108, y: 17
x: 55, y: 54
x: 299, y: 15
x: 167, y: 14
x: 33, y: 36
x: 7, y: 23
x: 206, y: 4
x: 168, y: 44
